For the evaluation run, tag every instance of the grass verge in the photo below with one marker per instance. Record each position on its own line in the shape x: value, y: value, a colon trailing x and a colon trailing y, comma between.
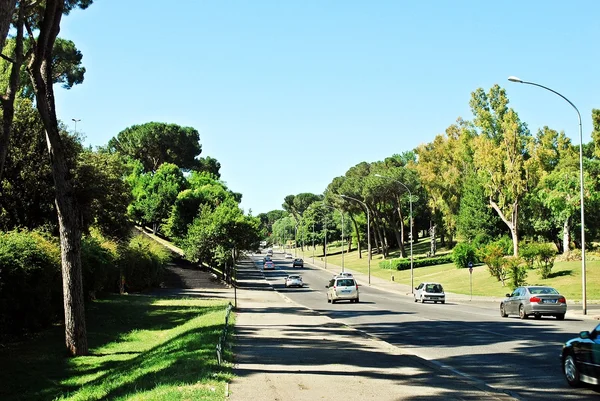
x: 141, y: 348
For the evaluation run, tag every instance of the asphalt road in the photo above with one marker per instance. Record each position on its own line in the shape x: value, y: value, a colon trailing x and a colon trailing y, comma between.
x: 520, y: 357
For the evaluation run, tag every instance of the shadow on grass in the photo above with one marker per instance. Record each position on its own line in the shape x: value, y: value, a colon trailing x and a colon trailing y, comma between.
x: 119, y: 362
x: 561, y: 273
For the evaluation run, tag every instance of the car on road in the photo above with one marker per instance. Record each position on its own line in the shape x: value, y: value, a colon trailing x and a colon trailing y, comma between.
x: 288, y: 256
x: 269, y: 265
x: 298, y: 263
x: 432, y: 292
x: 270, y: 252
x: 267, y: 258
x: 343, y: 274
x: 342, y: 288
x: 534, y: 300
x: 293, y: 280
x: 580, y: 358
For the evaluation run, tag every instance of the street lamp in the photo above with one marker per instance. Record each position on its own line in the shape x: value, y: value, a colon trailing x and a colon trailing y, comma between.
x: 368, y: 231
x: 76, y: 120
x: 581, y: 193
x: 296, y: 241
x: 412, y: 277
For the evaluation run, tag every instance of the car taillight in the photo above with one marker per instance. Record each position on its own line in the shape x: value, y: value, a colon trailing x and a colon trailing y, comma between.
x: 334, y: 287
x: 357, y: 287
x: 535, y: 299
x: 562, y: 300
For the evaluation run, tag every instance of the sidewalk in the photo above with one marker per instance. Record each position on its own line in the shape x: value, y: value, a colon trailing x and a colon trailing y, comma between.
x: 285, y: 352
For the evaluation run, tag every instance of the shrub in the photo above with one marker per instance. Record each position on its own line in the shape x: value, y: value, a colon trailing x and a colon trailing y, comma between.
x: 463, y: 253
x: 545, y: 259
x: 404, y: 263
x: 528, y: 252
x: 30, y: 282
x: 517, y: 273
x: 493, y: 256
x: 99, y: 268
x: 142, y: 263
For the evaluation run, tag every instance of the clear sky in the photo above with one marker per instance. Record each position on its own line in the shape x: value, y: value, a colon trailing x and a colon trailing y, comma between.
x: 289, y: 94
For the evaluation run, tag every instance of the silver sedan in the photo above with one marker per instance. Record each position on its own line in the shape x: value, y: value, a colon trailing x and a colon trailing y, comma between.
x: 534, y: 300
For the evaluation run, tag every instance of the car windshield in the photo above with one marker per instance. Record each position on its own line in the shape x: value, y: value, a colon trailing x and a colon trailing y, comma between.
x: 435, y: 288
x: 293, y: 277
x: 542, y: 290
x: 347, y: 282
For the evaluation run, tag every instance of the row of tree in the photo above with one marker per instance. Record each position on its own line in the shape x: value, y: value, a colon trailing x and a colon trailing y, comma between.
x: 484, y: 178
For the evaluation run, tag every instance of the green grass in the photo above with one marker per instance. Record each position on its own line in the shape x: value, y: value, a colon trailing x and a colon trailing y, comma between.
x: 141, y: 348
x: 565, y: 276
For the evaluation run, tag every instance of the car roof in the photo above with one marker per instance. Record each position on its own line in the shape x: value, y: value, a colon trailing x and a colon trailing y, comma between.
x: 294, y: 276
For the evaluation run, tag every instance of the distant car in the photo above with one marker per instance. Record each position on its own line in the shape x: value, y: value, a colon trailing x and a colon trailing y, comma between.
x: 342, y: 288
x: 293, y: 281
x: 580, y: 358
x: 433, y: 292
x: 269, y: 265
x: 534, y: 300
x: 267, y: 258
x: 298, y: 263
x: 343, y: 274
x: 270, y: 252
x: 288, y: 256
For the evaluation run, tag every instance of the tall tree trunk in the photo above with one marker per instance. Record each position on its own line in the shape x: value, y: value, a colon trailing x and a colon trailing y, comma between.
x: 40, y: 72
x: 399, y: 234
x: 381, y: 235
x: 432, y: 240
x: 7, y: 8
x: 8, y: 100
x: 566, y: 237
x: 357, y: 231
x: 512, y: 223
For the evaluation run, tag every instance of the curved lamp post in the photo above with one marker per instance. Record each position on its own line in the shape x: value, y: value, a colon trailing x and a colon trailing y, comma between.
x: 368, y: 231
x: 76, y: 120
x: 412, y: 276
x: 581, y: 192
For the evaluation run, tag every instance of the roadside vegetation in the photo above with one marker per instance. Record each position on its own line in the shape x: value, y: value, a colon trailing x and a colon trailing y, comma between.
x: 141, y: 348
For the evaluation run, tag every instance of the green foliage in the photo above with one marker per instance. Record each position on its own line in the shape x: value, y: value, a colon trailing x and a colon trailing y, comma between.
x: 493, y: 256
x: 528, y: 253
x: 142, y: 263
x: 516, y: 272
x: 475, y: 217
x: 99, y: 269
x: 156, y: 143
x: 404, y: 264
x: 30, y: 282
x: 463, y: 253
x: 545, y: 259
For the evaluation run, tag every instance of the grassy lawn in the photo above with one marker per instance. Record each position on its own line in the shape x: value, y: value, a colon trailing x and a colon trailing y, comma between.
x: 141, y: 348
x: 565, y: 276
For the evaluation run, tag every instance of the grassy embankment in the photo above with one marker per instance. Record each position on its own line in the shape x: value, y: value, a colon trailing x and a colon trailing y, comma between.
x: 565, y: 276
x: 141, y: 348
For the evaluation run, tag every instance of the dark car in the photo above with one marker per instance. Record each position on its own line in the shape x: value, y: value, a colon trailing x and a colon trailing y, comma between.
x: 581, y: 358
x: 298, y: 263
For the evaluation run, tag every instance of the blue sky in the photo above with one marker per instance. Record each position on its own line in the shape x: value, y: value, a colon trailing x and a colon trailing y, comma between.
x: 289, y: 94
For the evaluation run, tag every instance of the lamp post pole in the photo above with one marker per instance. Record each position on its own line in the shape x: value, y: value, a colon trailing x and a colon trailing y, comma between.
x: 581, y: 190
x: 368, y: 232
x: 410, y: 236
x: 76, y: 120
x: 313, y: 243
x: 296, y: 241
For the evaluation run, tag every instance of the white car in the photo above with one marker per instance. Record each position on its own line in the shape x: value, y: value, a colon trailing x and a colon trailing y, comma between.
x: 269, y: 265
x: 342, y: 288
x: 288, y: 256
x: 433, y: 292
x: 293, y: 281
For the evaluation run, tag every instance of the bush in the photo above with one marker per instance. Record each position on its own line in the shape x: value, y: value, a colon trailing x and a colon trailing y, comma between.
x: 528, y: 252
x: 463, y: 253
x: 98, y: 263
x: 142, y: 263
x: 517, y: 273
x: 545, y: 259
x: 30, y: 282
x: 493, y: 256
x: 404, y: 263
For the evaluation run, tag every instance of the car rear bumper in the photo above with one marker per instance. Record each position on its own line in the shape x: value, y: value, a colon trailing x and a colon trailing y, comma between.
x: 547, y: 309
x: 428, y: 297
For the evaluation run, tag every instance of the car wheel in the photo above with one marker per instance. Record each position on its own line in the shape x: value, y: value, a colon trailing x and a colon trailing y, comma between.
x: 332, y: 300
x: 443, y: 302
x: 560, y: 316
x: 422, y: 300
x: 537, y: 316
x: 328, y: 300
x: 435, y: 302
x: 356, y: 300
x: 522, y: 313
x: 570, y: 370
x: 503, y: 311
x: 416, y: 300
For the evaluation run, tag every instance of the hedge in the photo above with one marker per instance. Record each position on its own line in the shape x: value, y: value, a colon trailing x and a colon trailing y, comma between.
x: 404, y: 263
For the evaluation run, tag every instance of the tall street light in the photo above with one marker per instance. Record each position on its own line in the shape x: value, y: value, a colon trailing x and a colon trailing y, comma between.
x: 412, y: 276
x: 76, y: 120
x: 581, y: 192
x: 368, y: 231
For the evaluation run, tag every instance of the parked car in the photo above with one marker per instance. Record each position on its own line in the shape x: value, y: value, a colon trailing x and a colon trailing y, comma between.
x: 580, y: 358
x: 342, y: 288
x: 293, y: 280
x: 288, y: 256
x: 298, y: 263
x: 534, y: 300
x: 269, y: 265
x: 433, y: 292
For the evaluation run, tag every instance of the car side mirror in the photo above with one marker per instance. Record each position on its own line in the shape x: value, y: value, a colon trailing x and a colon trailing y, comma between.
x: 326, y: 286
x: 507, y: 295
x: 584, y: 334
